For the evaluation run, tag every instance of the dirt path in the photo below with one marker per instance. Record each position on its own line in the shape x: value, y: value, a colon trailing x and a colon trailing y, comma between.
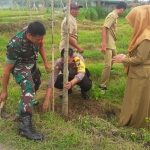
x: 3, y: 147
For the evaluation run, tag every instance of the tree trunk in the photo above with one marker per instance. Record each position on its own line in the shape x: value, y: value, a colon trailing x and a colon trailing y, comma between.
x: 98, y: 3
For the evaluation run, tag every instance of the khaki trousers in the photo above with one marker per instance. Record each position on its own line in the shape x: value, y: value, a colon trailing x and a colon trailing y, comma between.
x: 107, y: 66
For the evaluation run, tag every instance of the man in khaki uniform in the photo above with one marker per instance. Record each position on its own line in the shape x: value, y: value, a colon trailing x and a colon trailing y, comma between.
x: 73, y: 35
x: 108, y: 47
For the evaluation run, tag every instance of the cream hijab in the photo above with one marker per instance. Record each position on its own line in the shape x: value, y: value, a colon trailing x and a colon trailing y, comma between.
x: 139, y: 19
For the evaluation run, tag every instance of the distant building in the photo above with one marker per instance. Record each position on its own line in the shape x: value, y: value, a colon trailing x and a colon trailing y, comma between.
x: 109, y: 4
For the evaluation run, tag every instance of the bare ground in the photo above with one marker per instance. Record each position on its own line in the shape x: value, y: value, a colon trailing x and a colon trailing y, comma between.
x: 77, y: 106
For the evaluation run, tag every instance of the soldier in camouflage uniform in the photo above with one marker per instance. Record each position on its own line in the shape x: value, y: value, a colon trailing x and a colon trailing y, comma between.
x: 21, y: 57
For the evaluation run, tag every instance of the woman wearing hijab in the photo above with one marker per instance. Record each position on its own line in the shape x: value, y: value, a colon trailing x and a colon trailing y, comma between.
x: 136, y: 102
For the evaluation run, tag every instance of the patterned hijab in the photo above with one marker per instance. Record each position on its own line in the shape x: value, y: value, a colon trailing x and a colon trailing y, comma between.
x: 139, y: 19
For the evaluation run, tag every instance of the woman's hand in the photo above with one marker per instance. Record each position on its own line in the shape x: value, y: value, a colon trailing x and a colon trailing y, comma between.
x: 118, y: 58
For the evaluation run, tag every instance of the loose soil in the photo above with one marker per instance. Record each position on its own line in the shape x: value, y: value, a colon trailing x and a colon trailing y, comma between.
x: 2, y: 147
x: 77, y: 106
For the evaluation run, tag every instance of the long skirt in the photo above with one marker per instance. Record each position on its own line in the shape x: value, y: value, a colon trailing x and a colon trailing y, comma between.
x: 136, y: 103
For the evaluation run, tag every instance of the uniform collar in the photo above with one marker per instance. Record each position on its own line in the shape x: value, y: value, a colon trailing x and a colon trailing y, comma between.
x: 24, y: 35
x: 114, y: 11
x: 72, y: 17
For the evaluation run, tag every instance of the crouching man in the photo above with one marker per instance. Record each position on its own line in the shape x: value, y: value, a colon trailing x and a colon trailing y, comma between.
x: 78, y: 74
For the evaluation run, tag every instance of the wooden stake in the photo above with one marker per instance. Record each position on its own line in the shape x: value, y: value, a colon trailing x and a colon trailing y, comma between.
x: 65, y: 71
x: 53, y: 98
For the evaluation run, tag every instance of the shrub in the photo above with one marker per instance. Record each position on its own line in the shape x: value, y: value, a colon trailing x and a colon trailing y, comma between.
x: 102, y: 12
x: 81, y: 15
x: 125, y: 13
x: 91, y: 14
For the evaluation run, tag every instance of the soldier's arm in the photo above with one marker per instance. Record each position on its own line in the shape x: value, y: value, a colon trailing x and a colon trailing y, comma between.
x: 43, y: 55
x: 5, y: 80
x: 46, y: 104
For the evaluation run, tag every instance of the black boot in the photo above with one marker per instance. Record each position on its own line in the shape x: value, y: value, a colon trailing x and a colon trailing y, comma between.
x: 84, y: 95
x: 26, y: 129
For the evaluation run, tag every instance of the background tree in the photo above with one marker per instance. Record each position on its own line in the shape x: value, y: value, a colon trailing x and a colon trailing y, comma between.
x: 98, y: 2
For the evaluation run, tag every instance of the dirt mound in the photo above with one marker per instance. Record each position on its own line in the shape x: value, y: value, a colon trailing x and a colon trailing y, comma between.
x: 77, y: 106
x: 91, y: 108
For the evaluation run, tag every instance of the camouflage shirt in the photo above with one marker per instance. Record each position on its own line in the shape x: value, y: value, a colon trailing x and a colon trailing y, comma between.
x: 21, y: 50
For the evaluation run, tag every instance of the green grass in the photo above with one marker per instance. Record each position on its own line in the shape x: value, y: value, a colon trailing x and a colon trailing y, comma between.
x: 84, y: 132
x: 22, y: 15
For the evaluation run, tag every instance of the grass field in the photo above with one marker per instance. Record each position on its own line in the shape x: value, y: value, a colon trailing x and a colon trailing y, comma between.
x: 93, y: 124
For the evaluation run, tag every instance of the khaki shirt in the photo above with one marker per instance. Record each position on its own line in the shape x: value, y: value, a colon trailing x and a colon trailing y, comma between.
x: 72, y: 31
x: 139, y: 61
x: 111, y: 23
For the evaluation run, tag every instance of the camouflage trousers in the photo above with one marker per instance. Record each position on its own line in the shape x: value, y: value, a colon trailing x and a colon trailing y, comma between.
x: 28, y: 77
